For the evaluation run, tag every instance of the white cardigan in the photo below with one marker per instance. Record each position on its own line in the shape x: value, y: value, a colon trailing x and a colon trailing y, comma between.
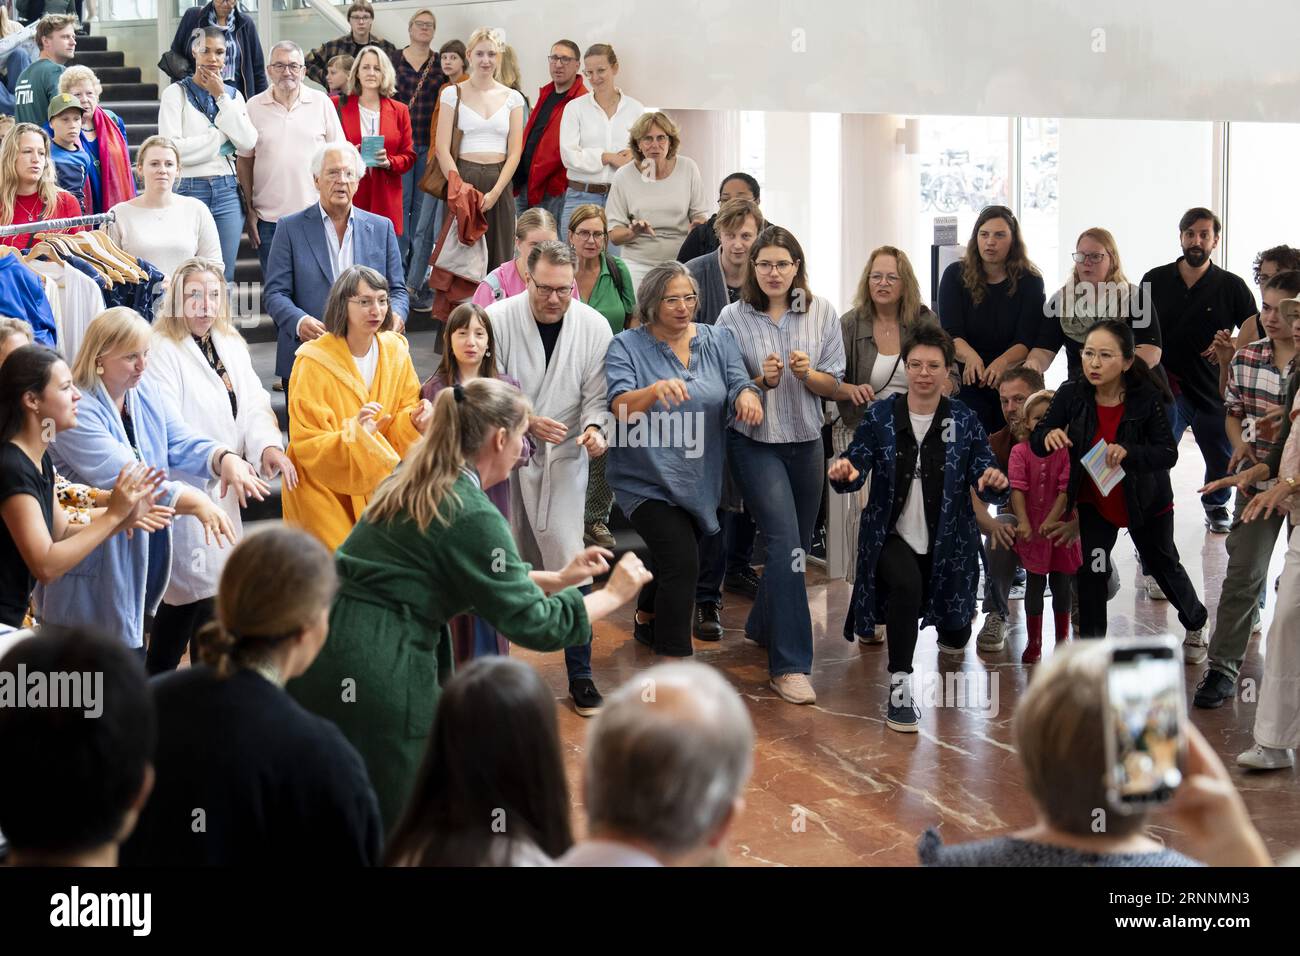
x: 200, y: 141
x: 181, y: 372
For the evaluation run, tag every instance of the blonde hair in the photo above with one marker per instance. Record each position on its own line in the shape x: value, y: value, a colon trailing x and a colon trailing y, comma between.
x: 387, y: 75
x: 171, y: 322
x: 421, y: 488
x: 508, y: 68
x: 10, y: 326
x: 1059, y: 733
x: 483, y: 34
x: 642, y: 127
x: 909, y: 299
x: 47, y: 187
x: 1115, y: 276
x: 534, y: 218
x: 77, y: 74
x: 432, y: 16
x: 162, y: 142
x: 1022, y: 431
x: 255, y: 610
x: 110, y: 330
x: 605, y: 50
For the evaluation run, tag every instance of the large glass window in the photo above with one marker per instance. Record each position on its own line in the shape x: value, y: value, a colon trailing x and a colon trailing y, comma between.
x: 1263, y: 197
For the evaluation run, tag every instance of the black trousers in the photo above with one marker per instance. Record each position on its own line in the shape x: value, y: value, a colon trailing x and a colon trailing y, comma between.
x: 174, y: 629
x: 903, y: 582
x: 1036, y: 585
x: 1155, y: 546
x: 673, y: 538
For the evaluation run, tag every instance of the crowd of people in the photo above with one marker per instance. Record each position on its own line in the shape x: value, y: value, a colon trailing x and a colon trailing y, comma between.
x: 338, y: 686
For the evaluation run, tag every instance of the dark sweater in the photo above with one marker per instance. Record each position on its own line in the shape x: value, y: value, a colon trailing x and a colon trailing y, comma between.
x: 1010, y: 851
x: 250, y: 71
x: 277, y: 785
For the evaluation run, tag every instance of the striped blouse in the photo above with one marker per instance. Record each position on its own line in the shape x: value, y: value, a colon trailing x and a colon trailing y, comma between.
x: 791, y: 412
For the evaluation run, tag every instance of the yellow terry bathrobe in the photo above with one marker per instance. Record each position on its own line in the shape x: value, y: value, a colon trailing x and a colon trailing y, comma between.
x: 339, y: 463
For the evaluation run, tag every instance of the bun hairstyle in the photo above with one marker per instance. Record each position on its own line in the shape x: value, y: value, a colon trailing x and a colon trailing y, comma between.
x: 464, y: 417
x: 274, y: 586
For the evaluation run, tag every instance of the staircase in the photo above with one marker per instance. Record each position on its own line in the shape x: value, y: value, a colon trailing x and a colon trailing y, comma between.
x: 137, y: 103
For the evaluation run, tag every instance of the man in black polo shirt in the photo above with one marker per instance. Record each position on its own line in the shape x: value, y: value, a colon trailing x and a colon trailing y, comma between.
x: 1193, y: 299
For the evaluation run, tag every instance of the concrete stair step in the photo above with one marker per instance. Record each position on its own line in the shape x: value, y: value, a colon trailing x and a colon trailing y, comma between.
x: 137, y: 133
x: 117, y: 75
x: 133, y: 109
x: 98, y: 59
x: 91, y: 43
x: 131, y: 91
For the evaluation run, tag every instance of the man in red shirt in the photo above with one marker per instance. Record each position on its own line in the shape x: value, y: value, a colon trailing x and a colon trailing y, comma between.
x: 540, y: 179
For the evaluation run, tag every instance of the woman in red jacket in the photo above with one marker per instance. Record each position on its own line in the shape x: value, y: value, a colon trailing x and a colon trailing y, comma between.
x: 368, y: 112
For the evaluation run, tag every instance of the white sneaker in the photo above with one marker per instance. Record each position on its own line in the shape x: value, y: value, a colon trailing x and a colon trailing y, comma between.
x: 877, y: 636
x: 794, y: 688
x: 1266, y: 758
x: 993, y: 635
x: 1195, y: 647
x: 1153, y: 589
x: 952, y: 653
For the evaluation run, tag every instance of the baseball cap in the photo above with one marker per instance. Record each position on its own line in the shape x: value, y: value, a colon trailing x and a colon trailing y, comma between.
x: 61, y: 104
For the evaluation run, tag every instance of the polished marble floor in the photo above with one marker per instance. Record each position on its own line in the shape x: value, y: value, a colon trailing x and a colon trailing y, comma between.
x: 832, y: 786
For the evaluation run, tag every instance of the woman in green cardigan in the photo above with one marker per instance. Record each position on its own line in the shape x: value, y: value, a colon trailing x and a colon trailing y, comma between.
x: 429, y: 546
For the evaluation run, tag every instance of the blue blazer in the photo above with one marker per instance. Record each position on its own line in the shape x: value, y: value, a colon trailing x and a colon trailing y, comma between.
x: 299, y: 275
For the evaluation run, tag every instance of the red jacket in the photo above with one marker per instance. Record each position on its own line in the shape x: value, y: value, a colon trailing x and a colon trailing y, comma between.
x: 380, y: 191
x: 546, y: 176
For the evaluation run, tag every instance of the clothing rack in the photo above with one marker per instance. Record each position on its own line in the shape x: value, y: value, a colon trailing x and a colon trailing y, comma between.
x: 54, y: 225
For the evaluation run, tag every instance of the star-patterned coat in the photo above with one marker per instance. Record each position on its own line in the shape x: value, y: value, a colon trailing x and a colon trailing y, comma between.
x: 954, y: 578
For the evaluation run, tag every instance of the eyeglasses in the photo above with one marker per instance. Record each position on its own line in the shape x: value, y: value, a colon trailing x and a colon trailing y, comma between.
x: 1089, y: 354
x: 424, y: 24
x: 366, y: 302
x: 586, y: 235
x: 565, y: 60
x: 883, y: 278
x: 361, y: 16
x: 1092, y: 258
x: 673, y: 301
x: 916, y: 366
x: 559, y: 291
x: 286, y: 67
x: 340, y: 175
x: 766, y: 267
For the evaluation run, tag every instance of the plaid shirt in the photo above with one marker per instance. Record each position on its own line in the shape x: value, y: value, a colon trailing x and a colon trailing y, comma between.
x: 318, y: 59
x: 1255, y: 385
x: 421, y: 108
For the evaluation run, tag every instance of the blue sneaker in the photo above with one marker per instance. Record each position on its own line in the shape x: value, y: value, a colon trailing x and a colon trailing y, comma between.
x: 902, y: 714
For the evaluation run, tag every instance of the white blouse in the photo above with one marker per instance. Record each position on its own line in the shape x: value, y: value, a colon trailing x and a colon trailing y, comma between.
x: 586, y: 132
x: 479, y: 135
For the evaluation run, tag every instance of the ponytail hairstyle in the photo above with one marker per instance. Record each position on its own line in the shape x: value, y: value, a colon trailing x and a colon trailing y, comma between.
x: 27, y: 369
x: 274, y: 586
x: 1139, y: 374
x: 464, y: 417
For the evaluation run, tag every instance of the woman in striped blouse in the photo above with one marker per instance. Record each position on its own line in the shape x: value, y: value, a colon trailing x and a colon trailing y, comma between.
x: 792, y: 347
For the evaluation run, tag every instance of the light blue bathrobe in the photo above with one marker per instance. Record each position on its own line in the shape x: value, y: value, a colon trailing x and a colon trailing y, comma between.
x: 123, y: 579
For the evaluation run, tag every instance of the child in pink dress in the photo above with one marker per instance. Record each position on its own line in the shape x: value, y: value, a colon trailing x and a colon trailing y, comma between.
x: 1038, y: 497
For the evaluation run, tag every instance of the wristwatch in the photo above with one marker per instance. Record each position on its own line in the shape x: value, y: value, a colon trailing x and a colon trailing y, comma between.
x: 1291, y: 483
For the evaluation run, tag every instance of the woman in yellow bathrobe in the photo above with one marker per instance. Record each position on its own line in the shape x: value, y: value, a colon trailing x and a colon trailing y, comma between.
x: 354, y: 408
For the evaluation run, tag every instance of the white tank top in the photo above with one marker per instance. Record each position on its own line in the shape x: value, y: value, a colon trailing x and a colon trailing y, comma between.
x: 481, y: 135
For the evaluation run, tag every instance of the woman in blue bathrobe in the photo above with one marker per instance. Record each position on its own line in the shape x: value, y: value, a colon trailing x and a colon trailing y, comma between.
x: 919, y: 545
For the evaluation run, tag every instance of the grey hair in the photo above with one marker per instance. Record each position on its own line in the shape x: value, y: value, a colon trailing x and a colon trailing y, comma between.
x: 284, y: 45
x: 667, y: 757
x: 651, y: 291
x: 554, y: 252
x: 338, y: 146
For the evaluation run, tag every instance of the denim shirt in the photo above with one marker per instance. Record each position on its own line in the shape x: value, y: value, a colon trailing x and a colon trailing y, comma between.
x: 674, y: 455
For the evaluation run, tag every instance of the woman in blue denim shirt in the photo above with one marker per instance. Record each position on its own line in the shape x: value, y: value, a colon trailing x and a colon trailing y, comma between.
x: 673, y: 387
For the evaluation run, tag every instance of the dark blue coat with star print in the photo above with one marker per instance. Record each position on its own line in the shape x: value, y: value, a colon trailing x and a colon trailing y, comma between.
x: 955, y: 539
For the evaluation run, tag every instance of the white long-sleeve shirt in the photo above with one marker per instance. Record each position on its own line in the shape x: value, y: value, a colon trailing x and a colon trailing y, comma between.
x: 200, y: 141
x: 586, y: 132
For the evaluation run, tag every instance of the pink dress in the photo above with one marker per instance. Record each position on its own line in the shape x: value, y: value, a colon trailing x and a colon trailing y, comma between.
x: 1041, y: 480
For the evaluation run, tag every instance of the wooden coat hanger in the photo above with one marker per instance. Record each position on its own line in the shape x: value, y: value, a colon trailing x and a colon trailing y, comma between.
x: 108, y: 270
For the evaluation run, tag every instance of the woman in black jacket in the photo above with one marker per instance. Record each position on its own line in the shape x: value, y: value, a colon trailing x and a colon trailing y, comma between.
x: 1117, y: 401
x: 249, y: 75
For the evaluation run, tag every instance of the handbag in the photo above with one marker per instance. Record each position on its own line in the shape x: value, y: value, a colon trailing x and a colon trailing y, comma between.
x: 174, y: 65
x: 434, y: 181
x: 458, y: 268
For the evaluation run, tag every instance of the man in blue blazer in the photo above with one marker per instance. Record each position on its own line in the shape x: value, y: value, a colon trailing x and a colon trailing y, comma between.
x: 311, y: 248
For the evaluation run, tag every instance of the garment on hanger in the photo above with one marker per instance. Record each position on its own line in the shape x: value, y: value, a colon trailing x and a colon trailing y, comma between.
x: 79, y: 299
x: 22, y: 296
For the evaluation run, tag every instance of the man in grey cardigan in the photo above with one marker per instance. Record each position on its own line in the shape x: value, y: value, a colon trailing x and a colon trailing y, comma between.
x: 725, y: 556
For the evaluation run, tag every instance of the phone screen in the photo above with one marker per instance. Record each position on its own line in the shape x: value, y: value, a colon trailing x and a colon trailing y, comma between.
x: 1145, y: 710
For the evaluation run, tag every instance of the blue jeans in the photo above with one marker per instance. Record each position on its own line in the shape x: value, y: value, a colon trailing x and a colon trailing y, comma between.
x: 221, y: 195
x: 411, y: 202
x: 577, y: 660
x: 265, y: 233
x: 552, y: 204
x: 1212, y: 438
x: 426, y: 233
x: 782, y: 488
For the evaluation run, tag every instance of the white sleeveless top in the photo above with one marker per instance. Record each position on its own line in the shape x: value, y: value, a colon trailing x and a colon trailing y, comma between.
x: 481, y: 135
